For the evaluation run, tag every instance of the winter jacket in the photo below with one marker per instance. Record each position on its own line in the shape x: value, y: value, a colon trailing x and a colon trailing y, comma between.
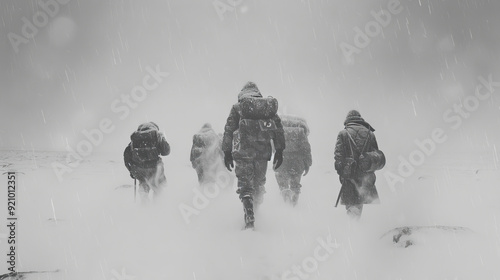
x: 298, y: 147
x: 205, y: 141
x: 262, y: 150
x: 360, y: 190
x: 162, y: 146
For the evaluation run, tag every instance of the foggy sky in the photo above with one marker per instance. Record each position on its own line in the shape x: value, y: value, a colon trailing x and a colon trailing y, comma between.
x: 425, y: 60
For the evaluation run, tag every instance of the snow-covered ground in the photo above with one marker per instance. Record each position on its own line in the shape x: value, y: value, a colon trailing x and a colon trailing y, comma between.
x: 89, y: 227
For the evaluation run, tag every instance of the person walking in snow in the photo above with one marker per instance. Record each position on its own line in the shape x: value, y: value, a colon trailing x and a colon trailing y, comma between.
x: 356, y: 158
x: 297, y: 158
x: 206, y: 154
x: 252, y: 123
x: 143, y: 161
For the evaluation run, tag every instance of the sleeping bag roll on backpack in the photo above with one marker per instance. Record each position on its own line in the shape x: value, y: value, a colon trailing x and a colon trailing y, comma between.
x: 372, y: 161
x: 144, y: 144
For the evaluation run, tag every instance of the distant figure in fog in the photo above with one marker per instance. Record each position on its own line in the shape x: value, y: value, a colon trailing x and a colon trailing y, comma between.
x: 356, y: 158
x: 142, y: 159
x: 206, y: 154
x: 297, y: 158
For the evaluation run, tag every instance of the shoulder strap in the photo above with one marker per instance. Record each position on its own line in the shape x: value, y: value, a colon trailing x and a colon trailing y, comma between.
x: 349, y: 142
x: 366, y: 142
x: 364, y: 146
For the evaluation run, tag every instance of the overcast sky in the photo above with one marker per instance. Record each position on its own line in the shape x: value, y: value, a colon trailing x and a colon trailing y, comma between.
x: 66, y: 79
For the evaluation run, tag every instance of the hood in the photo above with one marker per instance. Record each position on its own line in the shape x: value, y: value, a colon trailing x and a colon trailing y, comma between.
x: 358, y: 121
x: 206, y: 128
x: 354, y: 117
x: 249, y: 90
x: 148, y: 126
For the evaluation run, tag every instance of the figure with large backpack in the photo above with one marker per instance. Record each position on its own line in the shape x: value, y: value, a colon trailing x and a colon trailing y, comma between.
x: 206, y: 154
x: 297, y: 158
x: 357, y: 157
x: 251, y: 126
x: 142, y: 159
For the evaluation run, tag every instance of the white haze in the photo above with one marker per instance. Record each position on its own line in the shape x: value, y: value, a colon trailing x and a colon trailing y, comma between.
x: 89, y: 227
x: 426, y: 61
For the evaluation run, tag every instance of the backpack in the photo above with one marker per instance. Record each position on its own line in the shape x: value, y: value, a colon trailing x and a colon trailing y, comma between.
x: 143, y: 145
x: 294, y: 121
x: 365, y: 163
x: 256, y: 123
x: 351, y: 167
x: 257, y: 108
x: 204, y: 142
x: 296, y: 138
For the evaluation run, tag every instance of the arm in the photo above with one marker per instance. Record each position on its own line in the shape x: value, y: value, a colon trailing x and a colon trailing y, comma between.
x: 192, y: 156
x: 307, y: 152
x: 127, y: 157
x: 339, y: 152
x: 232, y: 124
x: 163, y: 145
x: 279, y: 139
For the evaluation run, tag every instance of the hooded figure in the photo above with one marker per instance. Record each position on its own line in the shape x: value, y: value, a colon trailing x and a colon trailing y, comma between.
x: 251, y: 152
x: 206, y: 154
x: 355, y: 139
x: 142, y: 159
x: 297, y: 158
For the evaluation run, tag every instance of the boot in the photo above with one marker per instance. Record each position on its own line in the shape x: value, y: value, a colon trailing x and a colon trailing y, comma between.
x: 248, y: 208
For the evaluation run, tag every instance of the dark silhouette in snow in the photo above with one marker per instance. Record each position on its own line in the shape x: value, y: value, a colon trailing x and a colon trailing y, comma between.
x: 206, y: 154
x: 297, y: 158
x: 252, y: 123
x: 142, y: 159
x: 354, y: 140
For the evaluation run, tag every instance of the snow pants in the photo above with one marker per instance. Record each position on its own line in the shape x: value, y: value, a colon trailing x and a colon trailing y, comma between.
x: 251, y: 176
x: 150, y: 179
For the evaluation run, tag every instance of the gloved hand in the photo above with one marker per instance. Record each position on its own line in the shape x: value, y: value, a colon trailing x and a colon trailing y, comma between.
x: 132, y: 175
x: 228, y: 161
x: 306, y: 170
x: 278, y: 159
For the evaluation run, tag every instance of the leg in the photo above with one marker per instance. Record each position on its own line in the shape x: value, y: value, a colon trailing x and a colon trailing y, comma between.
x: 144, y: 187
x: 199, y: 172
x: 143, y: 191
x: 295, y: 187
x: 282, y: 180
x: 283, y: 183
x: 158, y: 180
x: 260, y: 181
x: 354, y: 211
x: 248, y: 210
x: 245, y: 173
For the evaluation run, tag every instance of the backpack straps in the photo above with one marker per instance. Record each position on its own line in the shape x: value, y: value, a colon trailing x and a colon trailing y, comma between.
x: 349, y: 142
x: 364, y: 146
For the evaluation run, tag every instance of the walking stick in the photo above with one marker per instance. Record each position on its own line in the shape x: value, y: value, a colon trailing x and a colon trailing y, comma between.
x: 135, y: 186
x: 340, y: 193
